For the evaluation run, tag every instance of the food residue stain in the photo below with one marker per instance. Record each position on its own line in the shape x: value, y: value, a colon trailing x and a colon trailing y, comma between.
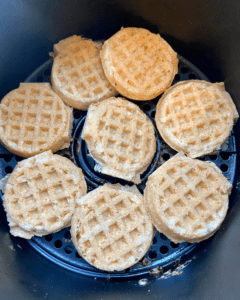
x: 177, y: 271
x: 12, y: 248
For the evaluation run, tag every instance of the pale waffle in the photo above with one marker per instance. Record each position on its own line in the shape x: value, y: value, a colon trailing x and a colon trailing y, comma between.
x: 41, y: 194
x: 77, y: 74
x: 110, y: 228
x: 33, y: 119
x: 139, y: 64
x: 64, y: 44
x: 120, y: 137
x: 187, y: 199
x: 196, y: 117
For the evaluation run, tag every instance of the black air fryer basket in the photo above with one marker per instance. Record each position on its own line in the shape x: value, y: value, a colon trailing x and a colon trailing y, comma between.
x: 206, y: 36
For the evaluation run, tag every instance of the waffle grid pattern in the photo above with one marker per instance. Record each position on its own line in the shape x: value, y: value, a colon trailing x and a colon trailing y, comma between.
x: 139, y: 62
x: 114, y: 232
x: 198, y: 116
x: 125, y: 136
x: 32, y: 118
x: 77, y: 73
x: 185, y: 206
x: 42, y: 195
x: 138, y: 65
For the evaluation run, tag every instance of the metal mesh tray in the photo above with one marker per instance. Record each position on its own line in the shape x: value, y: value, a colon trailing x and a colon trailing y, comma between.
x: 58, y: 247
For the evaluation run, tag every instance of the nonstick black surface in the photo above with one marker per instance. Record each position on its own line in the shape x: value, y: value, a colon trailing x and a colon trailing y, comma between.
x: 205, y: 32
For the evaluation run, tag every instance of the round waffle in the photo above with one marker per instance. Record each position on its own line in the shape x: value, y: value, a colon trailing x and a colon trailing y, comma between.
x: 187, y: 199
x: 120, y: 138
x: 110, y: 228
x: 196, y: 117
x: 41, y: 194
x: 138, y: 63
x: 33, y: 119
x: 77, y: 75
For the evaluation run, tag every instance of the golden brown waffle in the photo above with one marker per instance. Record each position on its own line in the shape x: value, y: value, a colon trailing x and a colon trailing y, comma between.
x: 120, y: 138
x: 110, y: 228
x: 77, y: 74
x: 34, y: 119
x: 187, y: 199
x: 138, y: 63
x: 41, y: 194
x: 196, y: 117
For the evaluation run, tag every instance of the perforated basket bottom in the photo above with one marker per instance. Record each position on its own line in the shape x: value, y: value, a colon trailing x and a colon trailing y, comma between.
x: 58, y: 247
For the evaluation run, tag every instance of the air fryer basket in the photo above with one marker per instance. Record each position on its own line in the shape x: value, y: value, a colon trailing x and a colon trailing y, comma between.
x: 49, y: 267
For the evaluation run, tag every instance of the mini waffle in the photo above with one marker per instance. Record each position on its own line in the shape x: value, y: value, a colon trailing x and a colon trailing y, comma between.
x: 77, y: 75
x: 64, y: 44
x: 138, y: 63
x: 196, y: 117
x: 187, y: 199
x: 110, y: 228
x: 41, y: 194
x: 120, y: 138
x: 33, y: 119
